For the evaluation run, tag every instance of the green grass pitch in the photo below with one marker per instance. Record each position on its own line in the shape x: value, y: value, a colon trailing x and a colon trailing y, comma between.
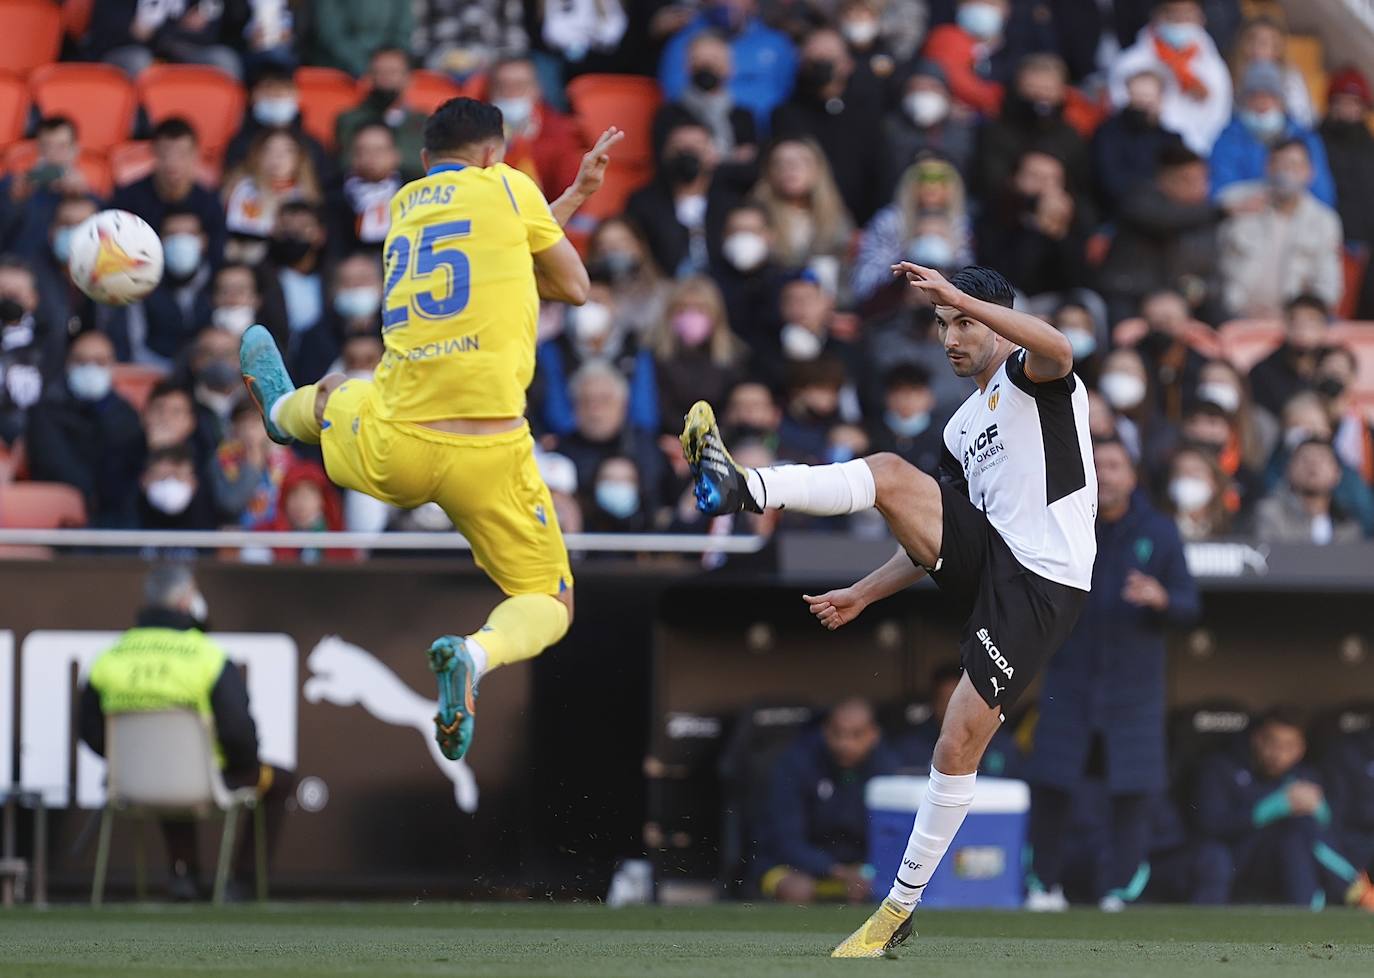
x: 573, y: 941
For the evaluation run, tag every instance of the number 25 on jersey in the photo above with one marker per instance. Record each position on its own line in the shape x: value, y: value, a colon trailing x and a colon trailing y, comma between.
x: 435, y: 254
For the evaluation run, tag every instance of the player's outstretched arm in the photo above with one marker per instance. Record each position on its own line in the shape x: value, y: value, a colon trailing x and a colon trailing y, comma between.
x: 560, y: 274
x: 843, y: 605
x: 590, y: 175
x: 1048, y: 354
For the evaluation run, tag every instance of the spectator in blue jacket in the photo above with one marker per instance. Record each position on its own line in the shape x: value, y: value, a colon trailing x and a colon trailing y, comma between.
x: 1271, y: 810
x: 1102, y: 704
x: 1242, y: 150
x: 765, y: 60
x: 815, y: 832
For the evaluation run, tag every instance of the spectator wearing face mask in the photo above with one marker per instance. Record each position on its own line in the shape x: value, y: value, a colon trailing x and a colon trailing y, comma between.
x: 31, y: 352
x: 216, y: 385
x: 980, y: 50
x: 1196, y: 493
x: 1256, y: 432
x: 927, y: 222
x: 707, y: 100
x: 615, y: 504
x: 682, y: 210
x: 297, y: 258
x: 1305, y: 418
x: 698, y: 356
x: 1173, y: 345
x: 1128, y: 147
x: 172, y: 497
x: 1301, y: 509
x: 1207, y: 427
x: 752, y: 413
x: 909, y: 426
x: 621, y: 249
x: 1289, y: 247
x: 59, y: 300
x: 601, y: 398
x: 543, y: 143
x: 84, y: 434
x: 163, y: 323
x: 274, y: 103
x: 1031, y: 119
x: 593, y: 331
x: 1244, y: 148
x: 1079, y: 326
x: 812, y: 330
x: 350, y: 33
x: 240, y: 295
x: 353, y: 307
x: 172, y: 184
x: 388, y: 77
x: 922, y: 124
x: 812, y: 225
x: 765, y: 60
x: 839, y: 110
x: 1352, y: 430
x: 359, y: 208
x: 749, y: 277
x: 585, y: 33
x: 1197, y: 92
x: 1124, y: 384
x: 1263, y: 40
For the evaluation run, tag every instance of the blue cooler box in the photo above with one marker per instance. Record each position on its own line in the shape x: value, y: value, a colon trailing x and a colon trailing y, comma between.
x: 983, y: 865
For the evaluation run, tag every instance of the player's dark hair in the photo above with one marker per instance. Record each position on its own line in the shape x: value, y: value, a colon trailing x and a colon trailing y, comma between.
x: 1306, y: 300
x: 174, y: 127
x: 1283, y: 715
x: 906, y: 375
x: 1290, y: 142
x: 984, y: 283
x: 51, y: 123
x: 461, y: 122
x: 1175, y: 155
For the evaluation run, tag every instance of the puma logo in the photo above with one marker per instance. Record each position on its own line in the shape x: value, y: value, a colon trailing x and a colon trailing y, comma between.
x: 346, y: 675
x: 996, y: 689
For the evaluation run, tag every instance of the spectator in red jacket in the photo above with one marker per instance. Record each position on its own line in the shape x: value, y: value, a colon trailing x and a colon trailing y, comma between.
x: 540, y: 141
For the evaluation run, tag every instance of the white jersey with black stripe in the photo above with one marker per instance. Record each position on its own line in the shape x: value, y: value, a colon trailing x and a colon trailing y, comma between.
x: 1026, y: 460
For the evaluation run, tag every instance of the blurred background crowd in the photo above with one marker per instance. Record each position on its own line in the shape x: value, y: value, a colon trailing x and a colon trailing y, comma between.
x: 1182, y: 188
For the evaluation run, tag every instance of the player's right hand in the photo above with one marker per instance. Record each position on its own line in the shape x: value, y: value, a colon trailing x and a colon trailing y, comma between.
x: 835, y: 608
x: 592, y: 173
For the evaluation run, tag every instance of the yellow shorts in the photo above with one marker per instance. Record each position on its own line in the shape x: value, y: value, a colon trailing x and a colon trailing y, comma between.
x: 489, y: 485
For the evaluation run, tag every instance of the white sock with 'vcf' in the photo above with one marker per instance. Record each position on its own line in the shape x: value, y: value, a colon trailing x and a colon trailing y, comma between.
x: 947, y: 800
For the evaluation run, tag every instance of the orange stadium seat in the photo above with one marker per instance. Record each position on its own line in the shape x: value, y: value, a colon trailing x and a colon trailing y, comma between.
x: 1248, y: 341
x: 100, y: 99
x: 430, y: 89
x: 41, y: 506
x: 627, y: 101
x: 325, y: 93
x: 21, y: 156
x: 14, y: 109
x: 135, y: 381
x: 209, y: 99
x: 30, y: 34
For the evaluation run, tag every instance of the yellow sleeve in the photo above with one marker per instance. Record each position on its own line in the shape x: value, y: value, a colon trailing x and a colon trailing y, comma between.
x: 540, y: 227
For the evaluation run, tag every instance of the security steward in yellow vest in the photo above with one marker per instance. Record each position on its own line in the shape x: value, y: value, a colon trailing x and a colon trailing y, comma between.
x: 167, y: 661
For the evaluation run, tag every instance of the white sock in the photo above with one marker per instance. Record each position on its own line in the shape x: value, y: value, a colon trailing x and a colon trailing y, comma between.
x: 479, y: 658
x: 275, y: 410
x: 937, y: 820
x: 821, y: 490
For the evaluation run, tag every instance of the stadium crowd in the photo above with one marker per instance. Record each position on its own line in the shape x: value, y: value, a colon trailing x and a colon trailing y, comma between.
x: 1142, y: 171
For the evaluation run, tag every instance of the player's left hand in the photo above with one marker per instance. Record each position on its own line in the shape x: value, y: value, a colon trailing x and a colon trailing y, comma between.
x: 592, y: 172
x: 929, y: 281
x: 1144, y: 591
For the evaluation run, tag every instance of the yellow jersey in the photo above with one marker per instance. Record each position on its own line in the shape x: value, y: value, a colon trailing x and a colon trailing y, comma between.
x: 460, y: 302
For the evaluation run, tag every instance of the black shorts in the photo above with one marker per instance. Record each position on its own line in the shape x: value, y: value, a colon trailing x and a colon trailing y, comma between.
x: 1015, y: 619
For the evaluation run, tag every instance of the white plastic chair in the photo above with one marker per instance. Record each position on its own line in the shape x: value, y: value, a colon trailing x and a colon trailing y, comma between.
x: 162, y: 763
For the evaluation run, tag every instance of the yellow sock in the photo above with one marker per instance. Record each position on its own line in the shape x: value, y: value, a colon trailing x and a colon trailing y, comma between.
x: 296, y: 415
x: 521, y: 627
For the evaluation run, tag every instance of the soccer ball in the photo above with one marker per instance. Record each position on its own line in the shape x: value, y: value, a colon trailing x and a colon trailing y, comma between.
x: 116, y: 257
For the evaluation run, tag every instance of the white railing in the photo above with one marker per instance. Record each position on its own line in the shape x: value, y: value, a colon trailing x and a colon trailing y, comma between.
x: 220, y: 539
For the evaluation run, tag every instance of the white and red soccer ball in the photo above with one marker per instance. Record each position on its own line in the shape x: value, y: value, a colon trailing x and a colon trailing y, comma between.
x: 116, y: 257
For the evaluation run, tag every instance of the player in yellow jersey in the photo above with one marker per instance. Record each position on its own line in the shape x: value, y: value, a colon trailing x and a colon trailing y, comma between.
x: 473, y: 247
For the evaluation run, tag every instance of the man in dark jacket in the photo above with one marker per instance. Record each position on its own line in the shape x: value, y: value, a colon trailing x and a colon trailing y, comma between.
x: 166, y: 662
x: 815, y: 836
x: 842, y: 111
x: 1350, y: 152
x: 1103, y: 698
x: 84, y: 434
x: 1271, y: 810
x: 1166, y: 238
x: 1293, y: 366
x: 1126, y: 148
x: 172, y: 184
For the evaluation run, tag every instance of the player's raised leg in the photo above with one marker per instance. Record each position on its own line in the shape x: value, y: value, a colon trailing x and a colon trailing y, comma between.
x: 289, y: 413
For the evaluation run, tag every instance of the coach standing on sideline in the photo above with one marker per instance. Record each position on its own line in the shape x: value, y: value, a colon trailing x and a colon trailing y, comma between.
x: 1102, y: 706
x: 166, y: 661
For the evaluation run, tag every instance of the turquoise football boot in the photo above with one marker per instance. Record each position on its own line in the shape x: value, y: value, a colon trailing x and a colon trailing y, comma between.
x: 451, y: 662
x: 265, y: 376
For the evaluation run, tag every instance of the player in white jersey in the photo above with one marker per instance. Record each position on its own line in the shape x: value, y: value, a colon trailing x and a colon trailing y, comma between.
x: 1006, y: 533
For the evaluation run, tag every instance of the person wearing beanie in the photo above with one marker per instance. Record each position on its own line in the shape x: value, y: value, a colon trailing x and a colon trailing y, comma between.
x: 1350, y: 153
x: 1260, y: 123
